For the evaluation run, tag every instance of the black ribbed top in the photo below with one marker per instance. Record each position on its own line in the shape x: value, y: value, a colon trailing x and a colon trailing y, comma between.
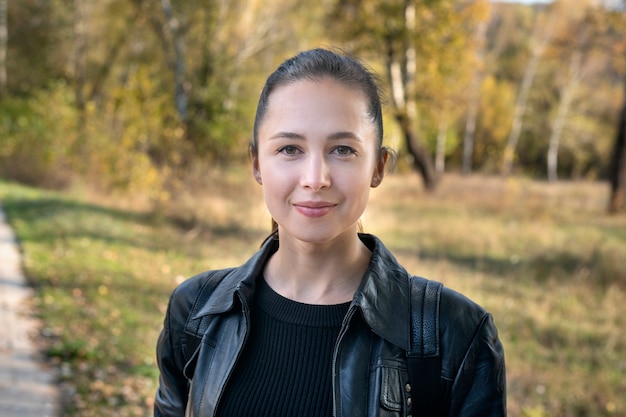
x: 285, y: 368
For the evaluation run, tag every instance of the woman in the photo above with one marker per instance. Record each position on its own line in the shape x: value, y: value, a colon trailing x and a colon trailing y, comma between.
x: 323, y: 320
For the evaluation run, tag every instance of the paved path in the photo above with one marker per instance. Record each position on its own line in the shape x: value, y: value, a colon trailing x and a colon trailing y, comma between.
x: 27, y: 388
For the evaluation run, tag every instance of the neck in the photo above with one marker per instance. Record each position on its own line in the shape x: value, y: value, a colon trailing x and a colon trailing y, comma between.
x: 327, y: 273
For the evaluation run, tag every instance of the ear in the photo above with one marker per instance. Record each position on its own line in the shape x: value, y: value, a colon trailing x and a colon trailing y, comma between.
x: 379, y: 172
x: 256, y: 172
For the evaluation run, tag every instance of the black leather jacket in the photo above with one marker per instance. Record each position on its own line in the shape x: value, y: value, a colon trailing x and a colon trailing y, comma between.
x: 369, y: 364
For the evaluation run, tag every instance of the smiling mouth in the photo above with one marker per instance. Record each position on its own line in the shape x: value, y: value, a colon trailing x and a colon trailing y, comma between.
x: 314, y: 208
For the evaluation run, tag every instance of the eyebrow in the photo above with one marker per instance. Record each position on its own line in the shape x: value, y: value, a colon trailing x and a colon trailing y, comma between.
x: 334, y: 136
x: 287, y: 135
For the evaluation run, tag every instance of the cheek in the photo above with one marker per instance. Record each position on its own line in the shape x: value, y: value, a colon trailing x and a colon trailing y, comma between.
x: 275, y: 182
x: 360, y: 177
x: 268, y: 170
x: 357, y: 184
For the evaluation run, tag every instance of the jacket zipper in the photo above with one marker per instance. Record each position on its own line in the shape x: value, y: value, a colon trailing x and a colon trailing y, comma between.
x: 344, y: 329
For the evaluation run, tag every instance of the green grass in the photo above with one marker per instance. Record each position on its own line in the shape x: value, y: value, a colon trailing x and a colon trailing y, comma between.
x: 544, y: 259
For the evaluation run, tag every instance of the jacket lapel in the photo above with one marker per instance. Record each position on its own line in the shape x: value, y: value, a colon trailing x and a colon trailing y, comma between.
x: 383, y: 295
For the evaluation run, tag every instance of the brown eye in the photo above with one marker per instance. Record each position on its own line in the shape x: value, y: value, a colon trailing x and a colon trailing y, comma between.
x: 289, y: 150
x: 344, y: 150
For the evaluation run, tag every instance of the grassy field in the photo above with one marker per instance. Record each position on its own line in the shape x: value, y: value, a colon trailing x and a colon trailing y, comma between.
x: 544, y: 259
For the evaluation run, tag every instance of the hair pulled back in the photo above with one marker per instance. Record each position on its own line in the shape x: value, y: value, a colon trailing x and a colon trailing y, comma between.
x: 317, y: 64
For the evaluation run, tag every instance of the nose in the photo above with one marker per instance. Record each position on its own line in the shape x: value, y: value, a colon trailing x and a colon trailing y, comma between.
x: 316, y: 173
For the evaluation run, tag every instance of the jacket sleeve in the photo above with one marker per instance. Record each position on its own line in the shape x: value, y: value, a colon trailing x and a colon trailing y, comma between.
x: 173, y: 390
x: 479, y: 388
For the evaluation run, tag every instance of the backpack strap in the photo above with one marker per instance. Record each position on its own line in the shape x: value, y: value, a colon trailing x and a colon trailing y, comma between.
x: 424, y: 357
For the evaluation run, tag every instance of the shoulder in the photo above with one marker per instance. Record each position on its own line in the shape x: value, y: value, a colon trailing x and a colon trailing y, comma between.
x: 464, y: 327
x: 461, y: 319
x: 187, y: 290
x: 194, y: 291
x: 457, y: 309
x: 196, y: 282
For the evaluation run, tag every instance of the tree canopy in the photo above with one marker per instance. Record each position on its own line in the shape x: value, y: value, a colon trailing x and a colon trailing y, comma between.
x: 140, y: 93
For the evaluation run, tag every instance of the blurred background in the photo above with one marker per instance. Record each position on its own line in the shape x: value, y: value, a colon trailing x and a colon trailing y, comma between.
x: 129, y: 94
x: 124, y: 131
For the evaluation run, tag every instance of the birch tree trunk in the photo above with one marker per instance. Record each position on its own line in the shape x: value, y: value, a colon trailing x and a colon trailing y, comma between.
x: 472, y: 110
x: 4, y: 39
x: 541, y: 38
x: 567, y: 95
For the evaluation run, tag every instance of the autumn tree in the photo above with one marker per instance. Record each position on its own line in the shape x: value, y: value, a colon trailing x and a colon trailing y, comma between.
x: 474, y: 99
x: 211, y: 51
x: 35, y: 45
x: 137, y: 93
x: 541, y: 37
x: 455, y: 77
x: 574, y: 46
x: 414, y: 41
x: 500, y: 68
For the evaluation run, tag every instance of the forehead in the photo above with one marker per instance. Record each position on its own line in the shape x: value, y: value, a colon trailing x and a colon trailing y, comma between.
x: 323, y: 101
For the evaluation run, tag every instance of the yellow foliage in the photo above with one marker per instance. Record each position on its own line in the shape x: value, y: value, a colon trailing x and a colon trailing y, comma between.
x: 496, y: 113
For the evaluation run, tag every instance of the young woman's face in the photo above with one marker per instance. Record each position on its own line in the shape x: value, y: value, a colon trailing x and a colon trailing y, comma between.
x: 317, y: 157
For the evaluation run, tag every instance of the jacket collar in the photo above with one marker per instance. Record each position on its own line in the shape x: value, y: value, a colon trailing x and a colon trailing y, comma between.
x: 382, y: 296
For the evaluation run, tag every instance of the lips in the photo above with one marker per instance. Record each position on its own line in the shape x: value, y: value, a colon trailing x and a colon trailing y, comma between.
x: 314, y: 208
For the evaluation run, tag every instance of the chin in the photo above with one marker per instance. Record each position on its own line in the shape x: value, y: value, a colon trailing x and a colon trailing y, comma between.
x: 320, y: 236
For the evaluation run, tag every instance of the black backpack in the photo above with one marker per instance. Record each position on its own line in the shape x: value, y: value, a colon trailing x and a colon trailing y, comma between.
x: 423, y: 359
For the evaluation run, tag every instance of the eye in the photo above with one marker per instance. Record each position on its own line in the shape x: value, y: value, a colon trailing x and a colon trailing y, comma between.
x: 344, y: 150
x: 289, y: 150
